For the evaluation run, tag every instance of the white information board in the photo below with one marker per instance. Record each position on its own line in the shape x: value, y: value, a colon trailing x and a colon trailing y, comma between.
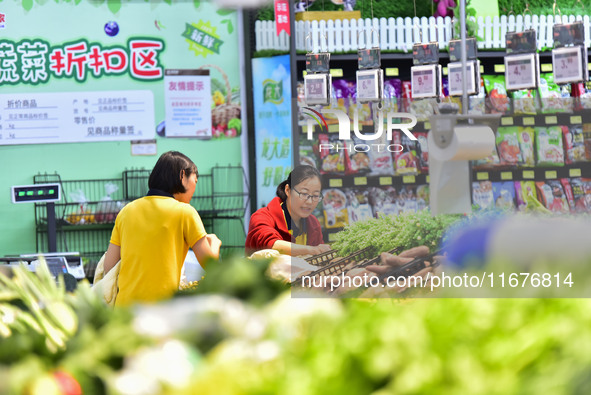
x: 187, y: 96
x: 67, y: 117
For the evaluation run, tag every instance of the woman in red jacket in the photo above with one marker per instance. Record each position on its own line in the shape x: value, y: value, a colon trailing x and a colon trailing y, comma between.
x: 287, y: 224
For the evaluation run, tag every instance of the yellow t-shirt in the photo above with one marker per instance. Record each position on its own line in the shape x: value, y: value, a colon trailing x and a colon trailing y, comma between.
x: 155, y: 234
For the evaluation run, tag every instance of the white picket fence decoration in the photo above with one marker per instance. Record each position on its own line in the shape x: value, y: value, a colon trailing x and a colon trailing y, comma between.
x: 401, y: 33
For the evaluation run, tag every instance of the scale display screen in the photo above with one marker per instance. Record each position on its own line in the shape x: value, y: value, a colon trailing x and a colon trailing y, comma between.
x: 317, y: 89
x: 425, y: 81
x: 521, y: 71
x: 57, y: 265
x: 370, y: 85
x: 38, y: 193
x: 456, y: 78
x: 569, y: 64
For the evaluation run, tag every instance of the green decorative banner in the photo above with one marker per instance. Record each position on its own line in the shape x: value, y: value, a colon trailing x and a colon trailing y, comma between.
x: 272, y: 91
x: 203, y: 38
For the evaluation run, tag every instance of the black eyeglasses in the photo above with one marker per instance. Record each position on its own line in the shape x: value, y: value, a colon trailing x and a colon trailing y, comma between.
x: 305, y: 196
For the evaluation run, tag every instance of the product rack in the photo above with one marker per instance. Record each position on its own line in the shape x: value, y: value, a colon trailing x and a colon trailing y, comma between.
x: 322, y: 259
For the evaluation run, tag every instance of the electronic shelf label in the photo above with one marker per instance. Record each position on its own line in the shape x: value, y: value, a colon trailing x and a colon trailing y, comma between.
x: 456, y: 77
x: 369, y: 58
x: 521, y: 71
x: 426, y: 81
x: 370, y: 85
x: 38, y: 193
x: 317, y: 89
x: 569, y: 64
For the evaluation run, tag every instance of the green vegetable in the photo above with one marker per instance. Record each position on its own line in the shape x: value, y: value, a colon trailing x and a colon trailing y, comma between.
x: 235, y: 123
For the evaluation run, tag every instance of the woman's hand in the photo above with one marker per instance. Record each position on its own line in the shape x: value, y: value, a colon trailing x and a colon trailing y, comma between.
x: 319, y: 249
x: 207, y: 247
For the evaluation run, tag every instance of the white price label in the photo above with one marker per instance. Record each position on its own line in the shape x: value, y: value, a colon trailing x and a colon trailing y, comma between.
x: 315, y: 88
x: 567, y: 65
x: 456, y: 76
x: 520, y: 71
x: 369, y: 85
x: 423, y: 82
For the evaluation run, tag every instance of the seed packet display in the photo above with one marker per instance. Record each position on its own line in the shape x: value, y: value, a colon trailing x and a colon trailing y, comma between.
x: 504, y: 195
x: 407, y: 160
x: 358, y: 206
x: 332, y: 154
x: 482, y: 195
x: 357, y: 158
x: 568, y: 192
x: 523, y: 102
x: 497, y: 100
x: 422, y: 197
x: 552, y: 196
x: 407, y: 200
x: 380, y: 159
x: 578, y: 190
x: 574, y: 144
x: 525, y: 194
x: 553, y: 97
x: 383, y: 200
x: 508, y: 146
x: 334, y: 203
x: 526, y: 138
x: 549, y: 146
x: 423, y: 151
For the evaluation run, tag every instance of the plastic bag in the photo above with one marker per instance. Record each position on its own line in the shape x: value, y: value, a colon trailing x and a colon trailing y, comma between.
x: 81, y: 213
x: 107, y: 208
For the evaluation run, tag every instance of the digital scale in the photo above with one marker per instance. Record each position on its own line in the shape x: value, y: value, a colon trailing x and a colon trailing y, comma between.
x: 38, y: 193
x: 522, y: 63
x: 58, y: 263
x: 569, y: 57
x: 426, y: 75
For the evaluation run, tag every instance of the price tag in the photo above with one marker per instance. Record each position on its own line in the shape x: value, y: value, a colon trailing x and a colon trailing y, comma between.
x: 424, y: 81
x: 456, y: 77
x: 499, y: 68
x: 428, y: 179
x: 546, y: 67
x: 427, y: 125
x: 574, y: 173
x: 333, y: 128
x: 482, y: 176
x: 317, y: 62
x: 521, y: 42
x: 506, y: 175
x: 481, y: 69
x: 360, y: 181
x: 552, y: 119
x: 408, y: 179
x: 506, y: 121
x: 444, y: 71
x: 568, y: 65
x: 335, y: 183
x: 529, y: 121
x: 576, y: 119
x: 550, y: 174
x: 336, y: 72
x: 392, y: 72
x: 385, y: 180
x: 520, y: 71
x: 370, y: 84
x: 568, y: 34
x: 528, y: 174
x: 455, y: 49
x: 317, y: 89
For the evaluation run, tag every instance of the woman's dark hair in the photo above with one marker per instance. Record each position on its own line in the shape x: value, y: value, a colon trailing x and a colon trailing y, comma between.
x: 298, y: 174
x: 166, y: 175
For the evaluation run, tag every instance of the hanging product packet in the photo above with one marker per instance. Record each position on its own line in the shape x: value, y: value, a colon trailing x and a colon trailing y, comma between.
x: 357, y: 158
x: 332, y: 154
x: 380, y: 158
x: 422, y: 197
x: 358, y: 206
x: 489, y: 162
x: 504, y: 195
x: 477, y: 103
x: 581, y: 93
x: 587, y: 140
x: 383, y: 200
x: 552, y: 196
x: 578, y: 190
x: 526, y: 196
x: 407, y: 200
x: 574, y: 144
x: 524, y: 102
x: 553, y: 97
x: 497, y: 100
x: 406, y: 161
x: 423, y: 151
x: 340, y: 100
x: 568, y: 192
x: 392, y: 95
x: 107, y: 209
x: 549, y: 146
x: 334, y: 203
x: 482, y: 195
x: 80, y: 213
x: 526, y: 136
x: 508, y: 146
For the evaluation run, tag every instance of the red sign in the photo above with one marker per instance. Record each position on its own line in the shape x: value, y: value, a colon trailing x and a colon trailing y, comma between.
x: 282, y: 16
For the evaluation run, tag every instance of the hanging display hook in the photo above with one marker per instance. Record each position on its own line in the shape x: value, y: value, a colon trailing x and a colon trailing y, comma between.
x: 526, y: 10
x: 554, y: 8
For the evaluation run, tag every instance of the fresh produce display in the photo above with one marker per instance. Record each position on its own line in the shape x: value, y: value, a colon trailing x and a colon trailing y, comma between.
x: 402, y: 231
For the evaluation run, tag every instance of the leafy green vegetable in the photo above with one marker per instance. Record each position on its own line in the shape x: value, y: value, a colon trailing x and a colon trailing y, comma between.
x: 388, y: 232
x: 235, y: 123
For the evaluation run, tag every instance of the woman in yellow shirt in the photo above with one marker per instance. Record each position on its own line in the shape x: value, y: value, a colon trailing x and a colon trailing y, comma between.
x: 153, y: 234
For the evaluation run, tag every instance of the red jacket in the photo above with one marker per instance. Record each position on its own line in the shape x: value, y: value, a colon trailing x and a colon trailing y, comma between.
x: 268, y: 224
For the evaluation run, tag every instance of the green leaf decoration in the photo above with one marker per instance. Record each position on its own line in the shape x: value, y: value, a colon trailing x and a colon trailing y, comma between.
x: 114, y: 6
x: 169, y: 2
x: 197, y: 3
x: 230, y: 26
x: 27, y: 4
x: 224, y: 12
